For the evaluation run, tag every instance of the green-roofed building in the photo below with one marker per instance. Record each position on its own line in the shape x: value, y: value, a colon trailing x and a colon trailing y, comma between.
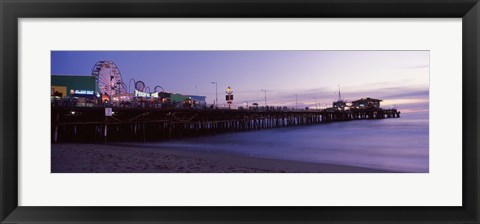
x: 178, y: 98
x: 75, y: 85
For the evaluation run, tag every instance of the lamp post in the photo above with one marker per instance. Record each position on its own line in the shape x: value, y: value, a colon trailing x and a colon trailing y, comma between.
x: 316, y: 105
x: 216, y: 94
x: 263, y: 90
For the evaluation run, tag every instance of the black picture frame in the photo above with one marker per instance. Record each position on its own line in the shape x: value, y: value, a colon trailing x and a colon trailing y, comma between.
x: 11, y: 11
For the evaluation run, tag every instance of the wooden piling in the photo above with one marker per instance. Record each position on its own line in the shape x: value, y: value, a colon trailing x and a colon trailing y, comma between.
x: 161, y: 124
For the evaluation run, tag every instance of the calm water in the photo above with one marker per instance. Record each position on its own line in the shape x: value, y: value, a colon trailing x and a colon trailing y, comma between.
x: 388, y: 144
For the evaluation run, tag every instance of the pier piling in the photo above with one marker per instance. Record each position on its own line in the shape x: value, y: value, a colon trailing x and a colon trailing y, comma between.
x: 138, y: 124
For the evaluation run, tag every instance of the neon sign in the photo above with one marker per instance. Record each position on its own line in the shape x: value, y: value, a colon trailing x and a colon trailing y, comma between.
x: 141, y: 94
x: 146, y: 95
x: 83, y: 92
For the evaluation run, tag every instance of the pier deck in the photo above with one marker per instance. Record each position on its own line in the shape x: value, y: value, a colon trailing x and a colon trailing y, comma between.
x: 89, y: 124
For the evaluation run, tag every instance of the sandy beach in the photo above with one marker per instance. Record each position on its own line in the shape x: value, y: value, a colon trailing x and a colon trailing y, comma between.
x: 97, y: 158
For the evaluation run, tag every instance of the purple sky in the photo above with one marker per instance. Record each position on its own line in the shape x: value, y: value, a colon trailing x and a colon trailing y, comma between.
x: 397, y: 77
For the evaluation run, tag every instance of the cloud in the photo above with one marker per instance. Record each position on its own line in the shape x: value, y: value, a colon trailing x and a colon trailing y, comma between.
x: 407, y: 98
x: 419, y: 93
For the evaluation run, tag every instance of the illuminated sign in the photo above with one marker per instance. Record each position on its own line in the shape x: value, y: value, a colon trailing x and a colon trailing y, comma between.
x: 141, y: 94
x: 146, y: 95
x: 108, y: 112
x: 229, y: 96
x: 83, y: 92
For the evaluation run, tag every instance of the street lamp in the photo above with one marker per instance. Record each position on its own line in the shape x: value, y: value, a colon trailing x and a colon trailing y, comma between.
x: 316, y: 105
x: 216, y: 94
x: 263, y: 90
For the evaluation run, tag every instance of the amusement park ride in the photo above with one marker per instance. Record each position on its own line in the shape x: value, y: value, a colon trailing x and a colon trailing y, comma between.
x: 112, y: 87
x: 109, y: 80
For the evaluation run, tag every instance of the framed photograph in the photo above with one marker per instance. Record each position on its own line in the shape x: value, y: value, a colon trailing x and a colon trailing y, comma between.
x: 248, y: 112
x: 134, y: 128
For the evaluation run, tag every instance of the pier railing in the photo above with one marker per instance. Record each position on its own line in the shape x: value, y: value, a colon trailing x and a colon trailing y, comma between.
x: 90, y: 124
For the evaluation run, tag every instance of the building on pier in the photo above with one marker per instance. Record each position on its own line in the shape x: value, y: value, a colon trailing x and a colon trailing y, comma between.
x: 73, y: 85
x: 339, y: 105
x: 187, y: 101
x: 74, y: 89
x: 198, y: 101
x: 366, y: 103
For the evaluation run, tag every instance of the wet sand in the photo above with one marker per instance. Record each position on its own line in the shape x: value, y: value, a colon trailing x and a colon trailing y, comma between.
x: 97, y: 158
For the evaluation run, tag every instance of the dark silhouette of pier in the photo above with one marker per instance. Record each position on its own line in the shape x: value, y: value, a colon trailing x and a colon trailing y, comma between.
x: 89, y: 124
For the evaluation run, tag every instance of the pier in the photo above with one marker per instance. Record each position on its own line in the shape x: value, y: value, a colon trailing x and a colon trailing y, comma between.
x: 89, y: 124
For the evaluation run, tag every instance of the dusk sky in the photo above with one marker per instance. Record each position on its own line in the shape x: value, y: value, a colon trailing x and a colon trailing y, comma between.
x: 396, y: 77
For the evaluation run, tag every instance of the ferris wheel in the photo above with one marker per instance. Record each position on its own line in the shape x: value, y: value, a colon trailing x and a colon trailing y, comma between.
x: 109, y: 78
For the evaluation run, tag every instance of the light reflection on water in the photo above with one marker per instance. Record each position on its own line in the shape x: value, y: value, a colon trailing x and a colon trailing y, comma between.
x: 390, y: 144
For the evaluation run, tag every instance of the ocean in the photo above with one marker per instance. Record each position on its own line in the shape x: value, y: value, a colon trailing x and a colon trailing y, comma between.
x: 397, y: 144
